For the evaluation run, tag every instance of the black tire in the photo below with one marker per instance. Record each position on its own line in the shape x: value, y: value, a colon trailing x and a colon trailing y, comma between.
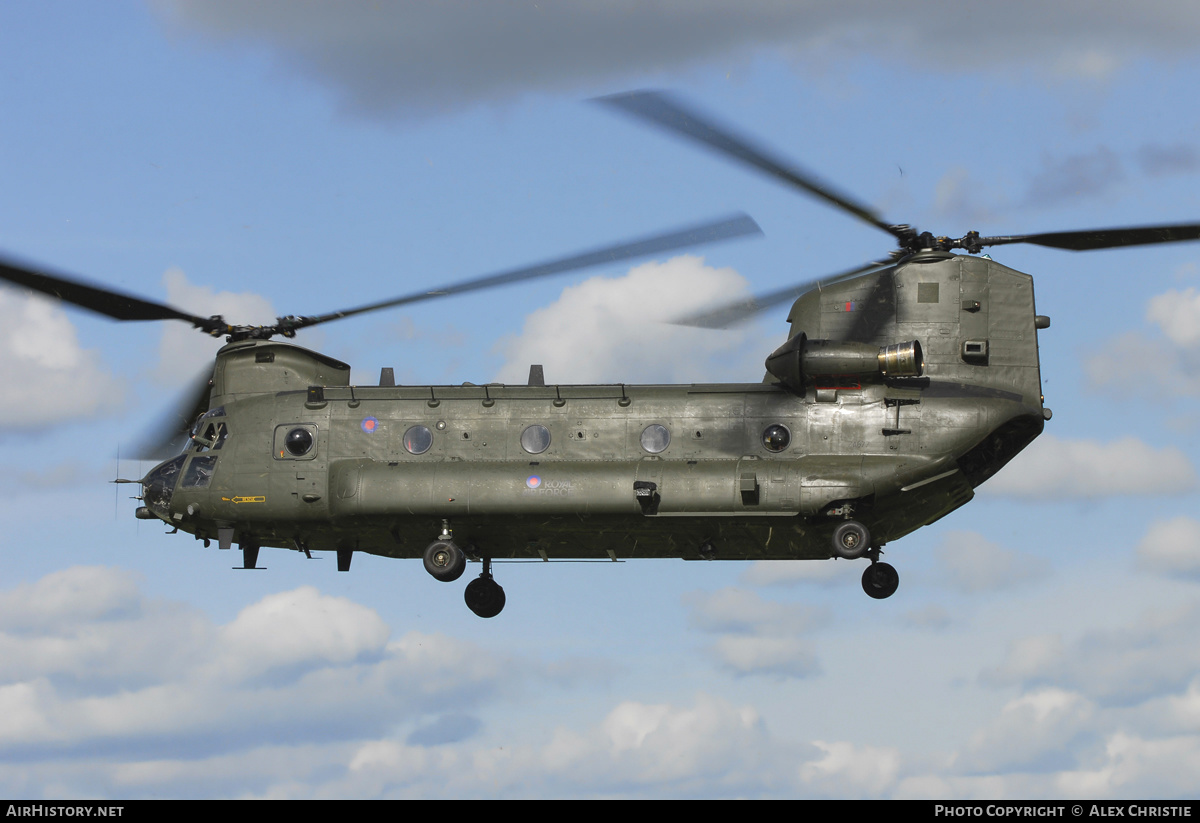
x: 880, y: 580
x: 851, y: 540
x: 484, y: 596
x: 445, y: 561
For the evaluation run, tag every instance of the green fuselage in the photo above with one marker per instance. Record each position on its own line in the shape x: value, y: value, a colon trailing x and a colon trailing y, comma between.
x: 732, y: 471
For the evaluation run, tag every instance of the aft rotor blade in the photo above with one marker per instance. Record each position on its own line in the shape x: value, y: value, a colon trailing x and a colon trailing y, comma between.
x: 98, y: 299
x: 877, y: 309
x: 727, y: 228
x: 167, y: 436
x: 740, y: 311
x: 662, y: 110
x: 1089, y: 239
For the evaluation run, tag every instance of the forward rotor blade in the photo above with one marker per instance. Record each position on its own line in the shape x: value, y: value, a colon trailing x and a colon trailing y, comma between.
x: 737, y: 226
x: 664, y: 111
x: 97, y: 299
x: 1087, y: 240
x: 731, y: 314
x: 167, y: 437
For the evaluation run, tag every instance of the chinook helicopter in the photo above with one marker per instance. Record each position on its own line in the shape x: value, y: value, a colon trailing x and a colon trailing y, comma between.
x: 902, y: 385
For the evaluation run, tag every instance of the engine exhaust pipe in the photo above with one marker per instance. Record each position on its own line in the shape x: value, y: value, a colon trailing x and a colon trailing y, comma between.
x: 800, y: 358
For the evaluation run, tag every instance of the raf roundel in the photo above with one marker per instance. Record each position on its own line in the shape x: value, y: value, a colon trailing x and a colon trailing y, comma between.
x: 533, y: 481
x: 369, y: 424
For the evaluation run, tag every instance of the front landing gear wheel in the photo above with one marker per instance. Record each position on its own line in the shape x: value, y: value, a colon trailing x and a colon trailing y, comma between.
x: 445, y: 561
x: 484, y: 596
x: 880, y: 580
x: 851, y: 540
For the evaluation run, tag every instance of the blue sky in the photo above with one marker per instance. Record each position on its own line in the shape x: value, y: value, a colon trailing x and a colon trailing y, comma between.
x: 300, y: 158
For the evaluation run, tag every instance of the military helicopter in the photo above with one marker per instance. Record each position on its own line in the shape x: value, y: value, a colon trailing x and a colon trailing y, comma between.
x: 902, y: 385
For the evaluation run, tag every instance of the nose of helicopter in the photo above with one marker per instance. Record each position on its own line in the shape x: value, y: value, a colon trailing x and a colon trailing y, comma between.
x: 157, y: 488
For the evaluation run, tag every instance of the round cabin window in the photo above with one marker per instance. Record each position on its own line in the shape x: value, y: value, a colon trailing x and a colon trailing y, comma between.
x: 535, y: 439
x: 418, y: 439
x: 655, y: 438
x: 298, y: 442
x: 776, y: 437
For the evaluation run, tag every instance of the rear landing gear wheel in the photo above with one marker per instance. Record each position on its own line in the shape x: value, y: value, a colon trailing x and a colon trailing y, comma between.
x: 445, y: 561
x: 484, y: 596
x: 880, y: 580
x: 851, y: 540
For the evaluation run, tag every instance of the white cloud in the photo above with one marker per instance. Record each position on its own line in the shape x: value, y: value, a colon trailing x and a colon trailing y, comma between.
x: 89, y: 625
x: 1028, y: 658
x: 1172, y: 547
x: 1177, y: 313
x: 105, y: 692
x: 184, y: 351
x: 1128, y: 665
x: 384, y: 58
x: 143, y: 697
x: 755, y: 636
x: 784, y: 657
x: 608, y: 330
x: 1136, y: 766
x: 733, y: 609
x: 1172, y: 364
x: 62, y: 598
x: 1055, y: 469
x: 299, y: 628
x: 86, y: 660
x: 849, y: 770
x: 786, y: 572
x: 1182, y: 711
x: 667, y: 743
x: 974, y: 564
x: 43, y: 364
x: 1158, y: 363
x: 1036, y: 731
x: 708, y: 748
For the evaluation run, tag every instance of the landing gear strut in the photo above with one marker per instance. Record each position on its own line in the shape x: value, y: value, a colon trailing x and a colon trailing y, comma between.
x: 484, y: 595
x: 249, y: 555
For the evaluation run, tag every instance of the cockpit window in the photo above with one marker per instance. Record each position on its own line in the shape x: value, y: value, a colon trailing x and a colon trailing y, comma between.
x: 159, y: 484
x: 212, y: 436
x: 199, y: 473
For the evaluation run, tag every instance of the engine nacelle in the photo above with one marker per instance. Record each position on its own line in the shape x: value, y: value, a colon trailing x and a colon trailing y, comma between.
x: 800, y: 358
